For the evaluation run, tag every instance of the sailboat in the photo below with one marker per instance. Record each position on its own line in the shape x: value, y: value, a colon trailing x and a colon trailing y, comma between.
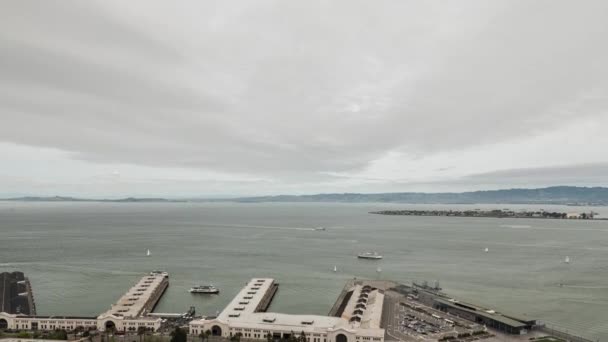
x: 486, y: 250
x: 335, y: 268
x: 148, y: 252
x: 567, y: 260
x: 378, y: 270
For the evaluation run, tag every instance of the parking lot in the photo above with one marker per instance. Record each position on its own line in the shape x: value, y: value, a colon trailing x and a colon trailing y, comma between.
x: 406, y: 319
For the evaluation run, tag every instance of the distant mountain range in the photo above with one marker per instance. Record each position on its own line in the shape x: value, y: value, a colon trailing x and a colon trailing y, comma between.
x: 75, y: 199
x: 568, y: 195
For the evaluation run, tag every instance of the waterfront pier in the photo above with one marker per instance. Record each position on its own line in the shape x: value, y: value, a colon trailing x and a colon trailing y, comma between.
x: 129, y: 313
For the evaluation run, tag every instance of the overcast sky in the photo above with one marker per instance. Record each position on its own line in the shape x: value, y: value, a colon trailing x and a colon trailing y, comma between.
x: 204, y: 98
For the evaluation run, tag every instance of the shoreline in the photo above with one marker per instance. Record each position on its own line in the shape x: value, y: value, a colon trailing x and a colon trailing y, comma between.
x: 546, y: 215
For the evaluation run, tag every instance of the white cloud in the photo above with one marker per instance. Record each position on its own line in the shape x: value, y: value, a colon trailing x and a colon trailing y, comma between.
x: 304, y: 96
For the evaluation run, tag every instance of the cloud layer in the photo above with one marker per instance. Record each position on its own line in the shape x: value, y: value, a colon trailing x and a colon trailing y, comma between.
x: 274, y: 96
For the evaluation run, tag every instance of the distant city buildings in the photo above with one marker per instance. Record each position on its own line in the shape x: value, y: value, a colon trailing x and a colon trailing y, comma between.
x: 496, y: 213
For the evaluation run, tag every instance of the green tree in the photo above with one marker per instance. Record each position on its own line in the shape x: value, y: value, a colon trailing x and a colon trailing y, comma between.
x: 302, y: 337
x: 23, y: 334
x: 141, y: 331
x: 179, y: 335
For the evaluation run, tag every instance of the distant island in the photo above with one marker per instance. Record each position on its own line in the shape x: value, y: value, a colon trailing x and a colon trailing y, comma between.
x: 562, y: 195
x: 491, y: 213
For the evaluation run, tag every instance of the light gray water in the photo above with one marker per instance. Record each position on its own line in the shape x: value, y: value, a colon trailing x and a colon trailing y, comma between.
x: 81, y: 257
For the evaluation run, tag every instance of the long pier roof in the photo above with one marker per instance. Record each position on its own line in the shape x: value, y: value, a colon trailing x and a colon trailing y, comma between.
x: 133, y: 302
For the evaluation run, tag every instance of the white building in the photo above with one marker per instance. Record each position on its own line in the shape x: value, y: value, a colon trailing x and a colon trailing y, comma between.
x: 128, y: 314
x: 359, y: 321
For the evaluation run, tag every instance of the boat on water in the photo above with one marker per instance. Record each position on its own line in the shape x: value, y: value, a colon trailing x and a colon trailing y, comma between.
x: 321, y: 229
x: 486, y: 250
x: 208, y: 289
x: 335, y: 268
x: 369, y: 255
x: 148, y: 252
x: 567, y: 260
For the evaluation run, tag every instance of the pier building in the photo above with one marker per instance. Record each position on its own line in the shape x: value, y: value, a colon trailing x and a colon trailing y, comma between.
x: 129, y: 313
x: 246, y: 315
x: 16, y: 296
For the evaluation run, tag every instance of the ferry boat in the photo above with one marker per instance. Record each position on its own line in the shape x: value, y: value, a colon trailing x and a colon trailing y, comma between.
x: 209, y: 289
x: 369, y: 255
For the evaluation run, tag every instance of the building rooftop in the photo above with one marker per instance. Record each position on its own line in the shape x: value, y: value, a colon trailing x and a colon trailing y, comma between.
x: 242, y: 312
x: 364, y: 308
x: 247, y: 300
x: 132, y: 304
x: 482, y: 312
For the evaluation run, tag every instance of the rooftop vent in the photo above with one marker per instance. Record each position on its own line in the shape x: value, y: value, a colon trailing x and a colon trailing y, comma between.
x: 269, y: 319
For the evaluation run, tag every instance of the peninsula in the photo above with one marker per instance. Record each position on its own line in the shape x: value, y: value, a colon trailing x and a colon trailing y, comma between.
x: 492, y: 213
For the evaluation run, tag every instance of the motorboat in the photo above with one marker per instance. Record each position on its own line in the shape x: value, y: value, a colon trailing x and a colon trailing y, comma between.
x: 369, y: 255
x: 208, y: 289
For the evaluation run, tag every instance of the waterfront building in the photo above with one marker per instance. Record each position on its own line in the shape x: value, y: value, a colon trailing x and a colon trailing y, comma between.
x: 358, y: 320
x: 486, y: 317
x: 16, y: 296
x: 129, y: 313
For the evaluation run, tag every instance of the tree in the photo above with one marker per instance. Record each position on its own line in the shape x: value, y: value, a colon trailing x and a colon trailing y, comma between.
x: 141, y: 331
x: 179, y: 335
x: 302, y: 337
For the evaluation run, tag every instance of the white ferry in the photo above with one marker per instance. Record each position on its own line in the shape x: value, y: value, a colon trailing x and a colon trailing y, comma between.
x: 369, y: 255
x: 209, y: 289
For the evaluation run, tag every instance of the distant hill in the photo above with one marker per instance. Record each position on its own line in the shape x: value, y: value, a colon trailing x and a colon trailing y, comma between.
x: 569, y: 195
x: 75, y: 199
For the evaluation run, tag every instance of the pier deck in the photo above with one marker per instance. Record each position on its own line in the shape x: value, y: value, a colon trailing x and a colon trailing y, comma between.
x: 140, y: 299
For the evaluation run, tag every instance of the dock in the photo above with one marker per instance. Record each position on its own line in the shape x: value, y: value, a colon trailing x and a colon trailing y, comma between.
x: 267, y: 299
x: 140, y: 299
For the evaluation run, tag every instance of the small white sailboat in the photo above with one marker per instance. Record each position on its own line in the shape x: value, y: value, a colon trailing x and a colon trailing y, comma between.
x: 148, y: 252
x: 486, y: 250
x: 378, y: 270
x: 335, y: 268
x: 567, y: 260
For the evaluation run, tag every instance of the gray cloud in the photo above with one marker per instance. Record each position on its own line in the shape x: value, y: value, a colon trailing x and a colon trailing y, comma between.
x: 292, y: 90
x: 565, y: 174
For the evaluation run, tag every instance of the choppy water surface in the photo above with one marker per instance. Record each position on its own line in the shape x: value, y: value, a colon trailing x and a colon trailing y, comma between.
x: 81, y: 257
